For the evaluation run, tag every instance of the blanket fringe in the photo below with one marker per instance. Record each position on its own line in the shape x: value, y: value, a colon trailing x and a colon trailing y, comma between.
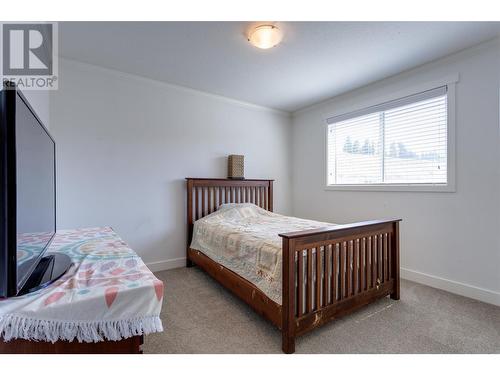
x: 16, y: 327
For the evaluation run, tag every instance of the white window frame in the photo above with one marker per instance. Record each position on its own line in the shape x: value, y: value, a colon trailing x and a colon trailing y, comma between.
x: 449, y: 187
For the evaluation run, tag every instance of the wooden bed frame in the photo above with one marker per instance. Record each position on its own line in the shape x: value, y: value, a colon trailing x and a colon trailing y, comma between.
x: 327, y: 272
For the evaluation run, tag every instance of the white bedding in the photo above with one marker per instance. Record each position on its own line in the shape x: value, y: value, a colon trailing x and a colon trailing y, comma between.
x: 244, y: 238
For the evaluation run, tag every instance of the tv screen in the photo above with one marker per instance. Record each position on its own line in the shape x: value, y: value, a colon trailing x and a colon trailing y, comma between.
x: 35, y: 217
x: 28, y: 191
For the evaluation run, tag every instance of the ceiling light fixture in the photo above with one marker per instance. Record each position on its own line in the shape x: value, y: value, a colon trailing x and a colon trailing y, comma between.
x: 265, y: 36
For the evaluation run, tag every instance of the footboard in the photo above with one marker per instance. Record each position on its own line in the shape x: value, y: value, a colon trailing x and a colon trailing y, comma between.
x: 330, y: 272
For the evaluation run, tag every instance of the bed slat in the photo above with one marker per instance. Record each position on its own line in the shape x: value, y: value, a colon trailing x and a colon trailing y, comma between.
x: 355, y: 279
x: 386, y: 276
x: 326, y: 274
x: 369, y: 263
x: 380, y: 260
x: 342, y: 270
x: 362, y: 282
x: 348, y: 268
x: 309, y: 296
x: 374, y: 261
x: 319, y: 274
x: 197, y: 204
x: 389, y: 255
x: 300, y: 283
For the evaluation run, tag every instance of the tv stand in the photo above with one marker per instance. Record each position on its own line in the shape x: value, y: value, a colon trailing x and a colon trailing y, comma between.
x: 106, y: 302
x: 50, y: 268
x: 131, y: 345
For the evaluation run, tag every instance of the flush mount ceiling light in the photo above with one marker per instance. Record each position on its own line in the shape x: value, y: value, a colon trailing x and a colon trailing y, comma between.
x: 265, y: 36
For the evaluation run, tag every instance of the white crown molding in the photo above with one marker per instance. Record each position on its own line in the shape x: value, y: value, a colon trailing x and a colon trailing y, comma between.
x: 173, y: 86
x: 403, y: 75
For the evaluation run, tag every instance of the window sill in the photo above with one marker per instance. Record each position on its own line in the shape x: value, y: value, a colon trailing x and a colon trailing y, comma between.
x: 394, y: 187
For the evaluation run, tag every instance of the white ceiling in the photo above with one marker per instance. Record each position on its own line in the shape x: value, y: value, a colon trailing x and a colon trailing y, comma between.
x: 315, y: 61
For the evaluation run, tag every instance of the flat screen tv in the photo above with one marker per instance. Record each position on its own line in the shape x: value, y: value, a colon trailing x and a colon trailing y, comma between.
x: 27, y: 198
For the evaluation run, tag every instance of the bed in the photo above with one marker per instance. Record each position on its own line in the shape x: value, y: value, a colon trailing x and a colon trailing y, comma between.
x: 299, y: 274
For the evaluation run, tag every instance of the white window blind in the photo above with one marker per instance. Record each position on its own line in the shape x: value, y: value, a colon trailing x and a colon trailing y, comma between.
x: 399, y: 142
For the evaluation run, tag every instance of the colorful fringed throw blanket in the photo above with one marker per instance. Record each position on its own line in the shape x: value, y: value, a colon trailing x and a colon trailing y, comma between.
x: 108, y: 294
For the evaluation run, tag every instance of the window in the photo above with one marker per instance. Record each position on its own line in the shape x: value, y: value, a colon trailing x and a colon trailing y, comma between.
x: 402, y: 142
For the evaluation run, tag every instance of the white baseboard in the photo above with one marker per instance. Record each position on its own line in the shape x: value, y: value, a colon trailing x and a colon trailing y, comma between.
x: 484, y: 295
x: 466, y: 290
x: 164, y: 265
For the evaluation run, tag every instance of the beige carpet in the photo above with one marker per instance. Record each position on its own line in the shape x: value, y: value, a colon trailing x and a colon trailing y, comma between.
x: 200, y: 316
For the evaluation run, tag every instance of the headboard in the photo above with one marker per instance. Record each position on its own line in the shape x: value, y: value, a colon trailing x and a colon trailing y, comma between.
x: 205, y: 195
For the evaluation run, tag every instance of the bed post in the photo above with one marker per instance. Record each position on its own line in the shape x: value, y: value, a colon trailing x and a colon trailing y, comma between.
x: 395, y: 260
x: 189, y: 263
x: 288, y: 297
x: 270, y: 197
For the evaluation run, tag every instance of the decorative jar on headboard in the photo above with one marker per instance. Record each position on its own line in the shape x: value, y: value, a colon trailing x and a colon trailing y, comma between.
x: 236, y: 167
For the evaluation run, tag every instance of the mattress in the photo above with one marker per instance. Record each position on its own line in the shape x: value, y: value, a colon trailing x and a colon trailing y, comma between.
x: 244, y: 238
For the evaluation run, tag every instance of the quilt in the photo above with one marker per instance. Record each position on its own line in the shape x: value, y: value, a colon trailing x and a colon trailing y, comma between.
x: 244, y: 238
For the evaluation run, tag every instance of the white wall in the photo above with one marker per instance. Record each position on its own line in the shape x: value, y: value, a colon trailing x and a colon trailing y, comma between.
x: 449, y: 240
x: 125, y: 145
x: 39, y: 100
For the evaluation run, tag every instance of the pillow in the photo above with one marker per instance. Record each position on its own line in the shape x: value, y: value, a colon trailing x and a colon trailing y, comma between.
x: 226, y: 206
x: 240, y: 209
